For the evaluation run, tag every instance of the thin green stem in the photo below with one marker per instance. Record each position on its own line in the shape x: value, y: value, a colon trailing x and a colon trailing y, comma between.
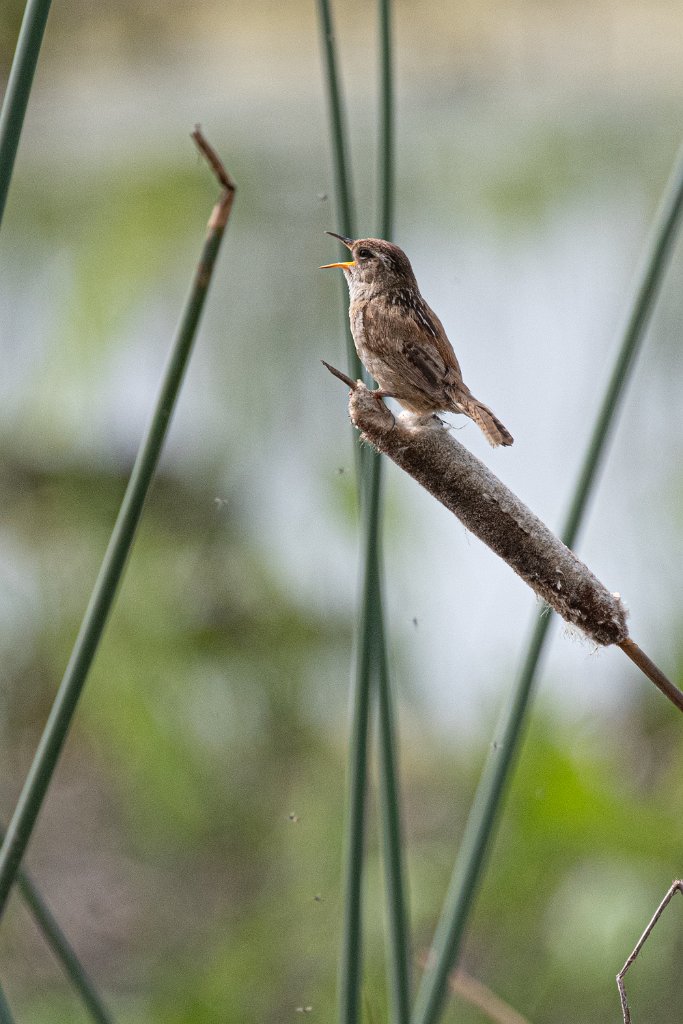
x: 369, y: 486
x: 399, y: 945
x: 12, y: 115
x: 342, y: 174
x: 366, y: 646
x: 398, y: 938
x: 476, y: 839
x: 649, y: 277
x: 340, y: 160
x: 19, y: 89
x: 371, y: 655
x: 486, y: 808
x: 62, y: 949
x: 56, y: 729
x: 386, y: 132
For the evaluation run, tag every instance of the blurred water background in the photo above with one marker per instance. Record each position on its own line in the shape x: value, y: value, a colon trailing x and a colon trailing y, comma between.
x: 533, y: 142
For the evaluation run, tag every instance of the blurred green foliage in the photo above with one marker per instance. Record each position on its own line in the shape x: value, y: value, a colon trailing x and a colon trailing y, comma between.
x: 191, y: 841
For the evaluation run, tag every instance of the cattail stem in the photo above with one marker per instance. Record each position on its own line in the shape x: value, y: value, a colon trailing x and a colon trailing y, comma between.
x: 654, y: 674
x: 496, y: 516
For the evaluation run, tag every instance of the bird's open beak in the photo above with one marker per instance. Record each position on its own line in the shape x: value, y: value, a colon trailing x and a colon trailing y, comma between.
x: 348, y: 242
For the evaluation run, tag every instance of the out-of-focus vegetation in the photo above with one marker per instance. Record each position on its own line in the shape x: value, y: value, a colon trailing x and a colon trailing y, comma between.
x: 190, y: 844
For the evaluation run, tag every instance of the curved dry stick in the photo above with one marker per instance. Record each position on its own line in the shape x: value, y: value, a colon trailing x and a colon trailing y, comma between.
x: 677, y: 886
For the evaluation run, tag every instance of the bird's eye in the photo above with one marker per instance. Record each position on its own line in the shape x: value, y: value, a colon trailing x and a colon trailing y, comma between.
x: 364, y: 254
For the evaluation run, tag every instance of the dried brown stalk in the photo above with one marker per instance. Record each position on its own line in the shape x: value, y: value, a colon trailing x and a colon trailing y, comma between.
x: 221, y: 211
x: 677, y: 886
x: 496, y: 516
x: 477, y: 994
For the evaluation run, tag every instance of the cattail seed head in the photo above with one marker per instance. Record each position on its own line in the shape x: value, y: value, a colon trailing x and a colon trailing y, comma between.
x: 495, y: 515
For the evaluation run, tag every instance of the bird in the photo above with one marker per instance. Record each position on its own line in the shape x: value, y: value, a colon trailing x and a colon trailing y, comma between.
x: 402, y: 342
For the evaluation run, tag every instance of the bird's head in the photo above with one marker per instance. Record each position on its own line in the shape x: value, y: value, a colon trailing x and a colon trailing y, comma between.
x: 377, y: 266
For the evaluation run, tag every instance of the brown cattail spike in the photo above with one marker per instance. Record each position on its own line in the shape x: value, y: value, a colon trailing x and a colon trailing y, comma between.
x: 493, y: 513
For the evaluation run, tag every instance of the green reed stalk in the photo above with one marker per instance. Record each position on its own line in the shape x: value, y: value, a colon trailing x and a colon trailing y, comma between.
x: 340, y: 158
x: 351, y: 965
x: 398, y: 938
x: 62, y: 949
x: 485, y: 811
x: 92, y: 627
x: 371, y: 654
x: 12, y: 116
x: 5, y: 1012
x: 386, y: 127
x: 398, y: 932
x: 19, y: 89
x: 351, y: 959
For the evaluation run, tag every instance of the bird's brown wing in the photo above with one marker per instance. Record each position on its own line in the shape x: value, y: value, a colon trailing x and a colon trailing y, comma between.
x: 412, y: 337
x: 454, y: 373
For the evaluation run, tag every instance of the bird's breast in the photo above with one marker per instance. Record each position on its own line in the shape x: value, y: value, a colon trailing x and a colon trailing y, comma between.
x: 372, y: 335
x: 357, y: 321
x: 370, y: 326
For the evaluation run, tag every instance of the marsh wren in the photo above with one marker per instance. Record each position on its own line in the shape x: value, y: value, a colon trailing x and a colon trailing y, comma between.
x: 401, y: 341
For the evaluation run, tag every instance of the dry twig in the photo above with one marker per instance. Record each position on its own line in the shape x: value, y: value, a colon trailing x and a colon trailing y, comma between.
x: 221, y: 211
x: 477, y: 994
x: 677, y: 886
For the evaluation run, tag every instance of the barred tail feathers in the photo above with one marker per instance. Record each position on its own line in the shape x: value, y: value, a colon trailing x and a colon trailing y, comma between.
x: 489, y: 424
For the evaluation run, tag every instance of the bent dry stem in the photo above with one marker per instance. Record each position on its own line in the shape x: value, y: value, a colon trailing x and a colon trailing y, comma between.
x: 61, y: 715
x: 676, y: 886
x: 477, y: 994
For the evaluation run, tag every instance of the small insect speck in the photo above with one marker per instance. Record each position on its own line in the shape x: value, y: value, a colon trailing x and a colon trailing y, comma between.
x: 318, y: 898
x: 304, y: 1009
x: 292, y: 817
x: 415, y: 621
x: 323, y: 197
